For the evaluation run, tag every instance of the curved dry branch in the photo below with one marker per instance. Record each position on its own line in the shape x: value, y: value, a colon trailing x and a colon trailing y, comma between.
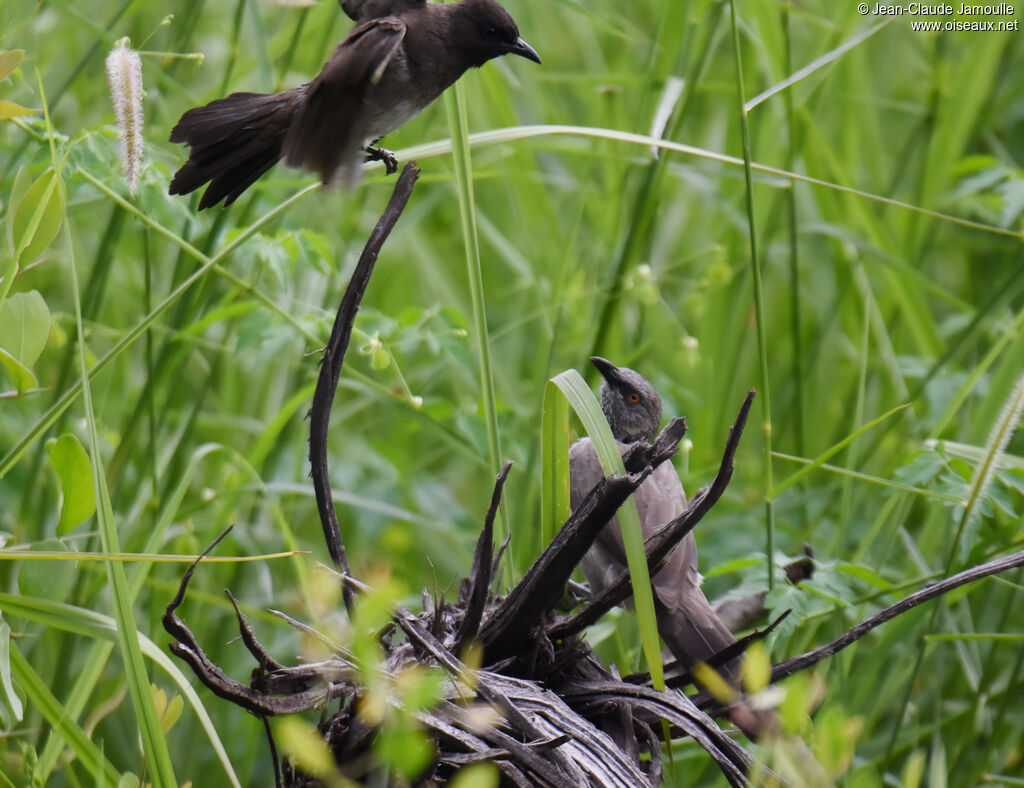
x: 330, y: 371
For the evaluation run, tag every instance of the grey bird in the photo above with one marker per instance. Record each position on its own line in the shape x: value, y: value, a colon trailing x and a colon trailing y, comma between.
x: 401, y: 55
x: 686, y: 621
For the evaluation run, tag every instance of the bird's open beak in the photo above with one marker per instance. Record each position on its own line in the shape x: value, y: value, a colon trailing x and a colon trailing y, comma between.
x: 523, y: 49
x: 608, y: 370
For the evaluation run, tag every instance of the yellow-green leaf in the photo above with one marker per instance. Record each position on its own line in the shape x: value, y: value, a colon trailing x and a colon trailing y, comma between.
x: 78, y: 496
x: 8, y: 110
x: 756, y: 668
x: 479, y: 775
x: 304, y: 743
x: 9, y: 61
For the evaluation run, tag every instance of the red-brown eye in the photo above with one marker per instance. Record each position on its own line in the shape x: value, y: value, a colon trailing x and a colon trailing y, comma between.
x: 634, y: 397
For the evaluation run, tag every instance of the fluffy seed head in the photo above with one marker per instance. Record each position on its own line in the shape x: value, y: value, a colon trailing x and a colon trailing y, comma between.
x: 124, y: 75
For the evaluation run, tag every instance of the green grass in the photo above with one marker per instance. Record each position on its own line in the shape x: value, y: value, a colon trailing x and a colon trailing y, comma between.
x: 873, y: 202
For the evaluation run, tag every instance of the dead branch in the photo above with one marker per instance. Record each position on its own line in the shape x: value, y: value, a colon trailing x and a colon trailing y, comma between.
x: 330, y: 371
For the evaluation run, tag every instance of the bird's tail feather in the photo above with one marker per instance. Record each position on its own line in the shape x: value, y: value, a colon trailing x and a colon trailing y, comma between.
x: 694, y: 633
x: 232, y: 141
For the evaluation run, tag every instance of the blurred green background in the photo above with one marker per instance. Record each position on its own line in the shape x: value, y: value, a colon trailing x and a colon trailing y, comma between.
x: 588, y: 245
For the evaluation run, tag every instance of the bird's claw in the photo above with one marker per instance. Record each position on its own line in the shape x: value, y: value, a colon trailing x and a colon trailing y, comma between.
x: 374, y: 153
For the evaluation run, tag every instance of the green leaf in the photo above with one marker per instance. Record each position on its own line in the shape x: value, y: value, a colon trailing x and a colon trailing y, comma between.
x: 479, y: 775
x: 9, y: 61
x: 8, y: 110
x: 303, y: 742
x: 48, y: 579
x: 38, y: 216
x: 866, y: 574
x: 407, y: 749
x: 74, y: 469
x: 22, y: 375
x: 24, y: 327
x: 820, y: 460
x: 11, y: 698
x: 46, y: 703
x: 22, y: 183
x: 913, y: 770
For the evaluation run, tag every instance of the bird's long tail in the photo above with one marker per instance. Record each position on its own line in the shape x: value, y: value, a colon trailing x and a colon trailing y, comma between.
x: 694, y: 633
x: 232, y: 141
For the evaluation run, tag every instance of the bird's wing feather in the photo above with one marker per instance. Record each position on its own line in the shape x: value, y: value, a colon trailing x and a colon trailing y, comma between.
x: 329, y: 128
x: 361, y: 10
x: 607, y: 557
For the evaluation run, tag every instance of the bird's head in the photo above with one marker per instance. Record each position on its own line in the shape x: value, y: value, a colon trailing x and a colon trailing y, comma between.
x: 485, y: 30
x: 629, y: 402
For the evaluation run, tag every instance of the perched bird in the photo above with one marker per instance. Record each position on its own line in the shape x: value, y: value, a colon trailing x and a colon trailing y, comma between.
x: 686, y: 621
x: 401, y: 56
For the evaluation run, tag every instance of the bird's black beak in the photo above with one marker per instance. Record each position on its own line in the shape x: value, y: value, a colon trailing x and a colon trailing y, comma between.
x: 523, y: 49
x: 608, y: 370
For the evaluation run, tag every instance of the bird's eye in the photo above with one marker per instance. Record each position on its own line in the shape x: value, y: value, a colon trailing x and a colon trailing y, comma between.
x: 634, y: 397
x: 491, y: 32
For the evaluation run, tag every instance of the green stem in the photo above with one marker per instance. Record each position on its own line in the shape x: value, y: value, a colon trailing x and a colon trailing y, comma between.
x: 755, y: 263
x: 455, y: 107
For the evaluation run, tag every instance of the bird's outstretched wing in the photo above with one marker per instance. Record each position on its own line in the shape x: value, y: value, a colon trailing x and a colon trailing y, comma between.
x: 361, y: 10
x: 329, y: 128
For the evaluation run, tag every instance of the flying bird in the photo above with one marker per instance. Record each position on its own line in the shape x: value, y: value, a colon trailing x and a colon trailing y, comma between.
x: 400, y: 56
x: 686, y: 621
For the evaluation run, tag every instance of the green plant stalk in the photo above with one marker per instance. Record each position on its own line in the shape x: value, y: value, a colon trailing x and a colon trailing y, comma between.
x: 154, y: 743
x: 514, y: 133
x: 795, y: 319
x: 762, y: 340
x: 457, y: 125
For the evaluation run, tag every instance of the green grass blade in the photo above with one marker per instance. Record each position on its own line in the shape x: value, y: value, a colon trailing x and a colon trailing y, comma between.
x: 154, y: 743
x: 759, y: 308
x: 455, y: 107
x: 53, y: 712
x: 90, y: 624
x: 585, y: 404
x: 555, y: 506
x: 819, y: 461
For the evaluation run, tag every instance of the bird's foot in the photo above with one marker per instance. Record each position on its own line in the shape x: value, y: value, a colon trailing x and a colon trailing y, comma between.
x: 373, y: 153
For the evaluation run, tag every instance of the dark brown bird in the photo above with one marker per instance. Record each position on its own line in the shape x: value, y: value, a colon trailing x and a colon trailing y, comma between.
x: 686, y: 621
x: 401, y: 56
